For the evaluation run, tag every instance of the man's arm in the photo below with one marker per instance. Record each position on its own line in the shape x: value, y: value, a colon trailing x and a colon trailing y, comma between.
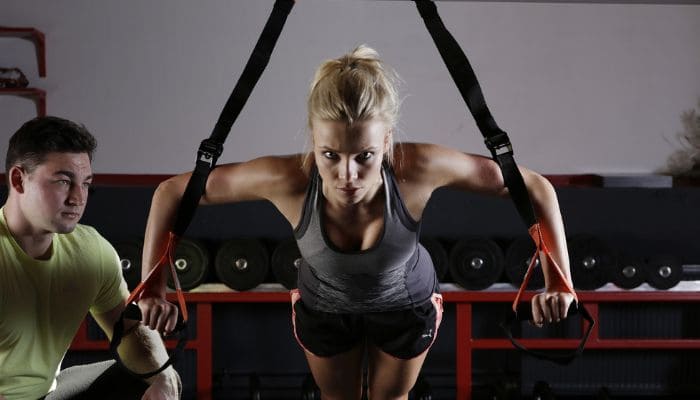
x: 142, y: 350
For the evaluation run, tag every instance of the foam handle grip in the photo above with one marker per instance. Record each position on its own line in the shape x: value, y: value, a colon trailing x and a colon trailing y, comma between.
x: 524, y: 311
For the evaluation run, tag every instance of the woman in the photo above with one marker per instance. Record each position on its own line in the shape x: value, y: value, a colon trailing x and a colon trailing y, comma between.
x: 355, y: 202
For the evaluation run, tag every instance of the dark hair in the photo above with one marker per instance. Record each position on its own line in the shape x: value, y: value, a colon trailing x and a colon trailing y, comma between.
x: 43, y: 135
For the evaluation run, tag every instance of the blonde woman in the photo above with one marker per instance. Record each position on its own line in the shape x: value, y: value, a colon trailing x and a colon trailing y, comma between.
x: 355, y: 203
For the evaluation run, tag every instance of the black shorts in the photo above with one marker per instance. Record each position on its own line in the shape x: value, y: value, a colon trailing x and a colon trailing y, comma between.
x: 403, y: 334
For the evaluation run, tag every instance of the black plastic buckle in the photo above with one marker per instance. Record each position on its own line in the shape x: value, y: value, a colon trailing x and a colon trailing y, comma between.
x: 499, y: 144
x: 209, y: 151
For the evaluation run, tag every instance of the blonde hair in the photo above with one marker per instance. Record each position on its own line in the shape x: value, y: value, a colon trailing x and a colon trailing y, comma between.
x: 357, y: 86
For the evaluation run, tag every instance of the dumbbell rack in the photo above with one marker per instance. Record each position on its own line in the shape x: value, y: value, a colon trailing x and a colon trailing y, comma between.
x: 465, y: 343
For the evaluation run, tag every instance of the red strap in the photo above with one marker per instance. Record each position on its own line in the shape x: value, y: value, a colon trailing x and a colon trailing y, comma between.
x: 541, y: 249
x: 166, y: 258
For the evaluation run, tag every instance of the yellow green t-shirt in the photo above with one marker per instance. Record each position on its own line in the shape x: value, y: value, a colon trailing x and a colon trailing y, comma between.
x: 43, y: 302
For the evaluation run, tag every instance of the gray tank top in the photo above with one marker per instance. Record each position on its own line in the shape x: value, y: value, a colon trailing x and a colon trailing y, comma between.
x: 395, y: 273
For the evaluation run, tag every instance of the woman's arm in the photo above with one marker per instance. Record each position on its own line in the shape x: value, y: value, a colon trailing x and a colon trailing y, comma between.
x: 427, y: 167
x: 278, y: 179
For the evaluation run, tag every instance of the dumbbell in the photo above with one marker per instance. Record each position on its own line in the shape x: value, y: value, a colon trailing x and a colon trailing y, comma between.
x: 130, y: 252
x: 476, y: 264
x: 285, y: 263
x: 517, y: 259
x: 664, y: 271
x: 438, y: 255
x: 191, y: 262
x: 629, y: 272
x: 242, y: 264
x: 591, y: 261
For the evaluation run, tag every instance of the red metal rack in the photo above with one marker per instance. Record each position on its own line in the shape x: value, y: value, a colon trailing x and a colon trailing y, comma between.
x: 465, y: 343
x: 36, y: 36
x: 38, y: 95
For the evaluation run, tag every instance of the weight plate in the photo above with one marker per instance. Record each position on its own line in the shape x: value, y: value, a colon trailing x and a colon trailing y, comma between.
x: 285, y: 262
x: 191, y: 261
x: 591, y: 261
x: 517, y: 259
x: 664, y: 271
x: 439, y: 256
x: 476, y: 264
x: 629, y: 273
x: 242, y: 264
x: 130, y: 252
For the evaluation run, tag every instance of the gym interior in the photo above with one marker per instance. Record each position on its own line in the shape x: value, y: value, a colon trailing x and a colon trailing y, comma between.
x: 601, y: 97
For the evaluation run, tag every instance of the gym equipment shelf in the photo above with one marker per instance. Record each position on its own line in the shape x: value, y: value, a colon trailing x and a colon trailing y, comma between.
x: 38, y: 95
x: 465, y: 342
x: 36, y: 36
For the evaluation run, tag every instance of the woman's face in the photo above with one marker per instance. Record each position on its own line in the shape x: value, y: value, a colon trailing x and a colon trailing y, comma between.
x: 349, y: 158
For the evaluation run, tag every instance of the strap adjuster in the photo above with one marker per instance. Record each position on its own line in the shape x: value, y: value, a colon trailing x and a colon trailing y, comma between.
x: 499, y: 144
x: 209, y: 151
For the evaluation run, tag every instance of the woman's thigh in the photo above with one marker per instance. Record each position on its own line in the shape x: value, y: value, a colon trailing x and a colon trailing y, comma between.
x: 339, y: 376
x: 391, y: 377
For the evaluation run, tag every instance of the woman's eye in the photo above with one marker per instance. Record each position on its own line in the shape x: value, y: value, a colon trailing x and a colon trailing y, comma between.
x: 329, y: 155
x: 365, y: 155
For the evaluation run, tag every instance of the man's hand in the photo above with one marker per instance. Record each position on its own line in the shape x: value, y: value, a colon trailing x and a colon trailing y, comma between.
x: 165, y: 386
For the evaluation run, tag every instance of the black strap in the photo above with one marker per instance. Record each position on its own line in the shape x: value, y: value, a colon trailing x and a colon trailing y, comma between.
x: 496, y: 139
x: 524, y: 313
x: 211, y: 148
x: 497, y: 142
x: 208, y: 153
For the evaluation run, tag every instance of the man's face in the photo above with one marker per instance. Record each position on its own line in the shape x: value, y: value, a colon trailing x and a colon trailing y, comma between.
x: 54, y: 195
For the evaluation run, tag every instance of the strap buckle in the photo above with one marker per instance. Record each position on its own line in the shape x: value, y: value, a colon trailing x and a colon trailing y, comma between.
x: 499, y: 144
x: 209, y: 151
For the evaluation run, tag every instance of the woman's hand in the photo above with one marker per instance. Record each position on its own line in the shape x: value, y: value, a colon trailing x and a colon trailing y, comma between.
x: 158, y: 314
x: 550, y: 306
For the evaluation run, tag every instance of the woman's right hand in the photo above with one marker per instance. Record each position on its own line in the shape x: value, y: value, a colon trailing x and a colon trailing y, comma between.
x: 158, y: 314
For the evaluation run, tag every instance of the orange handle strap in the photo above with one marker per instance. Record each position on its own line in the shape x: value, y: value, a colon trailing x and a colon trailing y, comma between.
x: 541, y: 248
x: 165, y: 259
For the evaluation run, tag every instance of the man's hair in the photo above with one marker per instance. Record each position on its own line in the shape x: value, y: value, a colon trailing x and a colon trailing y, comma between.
x: 43, y: 135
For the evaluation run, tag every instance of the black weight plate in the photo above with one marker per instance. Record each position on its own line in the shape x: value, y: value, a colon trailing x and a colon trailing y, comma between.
x: 517, y: 259
x: 242, y: 264
x: 130, y: 252
x: 285, y: 263
x: 664, y: 271
x: 591, y: 261
x: 191, y: 261
x: 439, y: 256
x: 629, y: 273
x: 476, y: 264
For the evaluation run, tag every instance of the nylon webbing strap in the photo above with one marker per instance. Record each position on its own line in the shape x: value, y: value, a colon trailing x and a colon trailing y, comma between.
x: 464, y: 77
x: 211, y: 148
x: 208, y: 153
x: 501, y: 150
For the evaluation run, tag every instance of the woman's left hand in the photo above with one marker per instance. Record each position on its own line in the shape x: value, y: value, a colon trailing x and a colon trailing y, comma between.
x: 550, y: 306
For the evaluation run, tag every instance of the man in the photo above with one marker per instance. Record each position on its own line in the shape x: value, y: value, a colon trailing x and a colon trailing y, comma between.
x: 54, y: 270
